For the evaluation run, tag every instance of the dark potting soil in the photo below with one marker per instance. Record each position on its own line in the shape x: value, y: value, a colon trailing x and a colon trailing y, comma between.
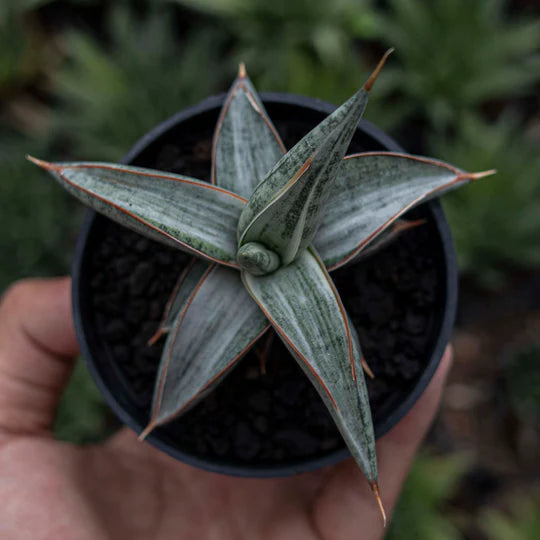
x: 255, y: 418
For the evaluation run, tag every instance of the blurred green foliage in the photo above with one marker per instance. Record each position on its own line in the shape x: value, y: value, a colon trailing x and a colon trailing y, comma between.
x: 454, y: 56
x: 523, y: 383
x: 520, y: 522
x: 422, y: 512
x: 428, y: 506
x: 111, y: 94
x: 81, y: 417
x: 24, y: 51
x: 38, y: 221
x: 495, y: 222
x: 303, y: 46
x: 321, y: 27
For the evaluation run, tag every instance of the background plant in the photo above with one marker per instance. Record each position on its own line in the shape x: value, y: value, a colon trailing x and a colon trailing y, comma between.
x: 519, y: 519
x: 425, y: 510
x: 305, y: 47
x: 453, y: 57
x: 476, y: 218
x: 111, y: 92
x: 523, y: 383
x: 37, y: 239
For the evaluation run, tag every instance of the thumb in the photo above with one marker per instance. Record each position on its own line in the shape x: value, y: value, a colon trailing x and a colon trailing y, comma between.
x: 37, y: 350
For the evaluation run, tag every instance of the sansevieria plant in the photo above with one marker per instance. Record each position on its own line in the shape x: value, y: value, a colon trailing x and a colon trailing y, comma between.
x: 265, y: 234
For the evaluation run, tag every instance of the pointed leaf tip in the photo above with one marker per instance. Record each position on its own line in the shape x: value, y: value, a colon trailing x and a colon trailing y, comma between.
x: 156, y: 337
x: 375, y: 489
x: 246, y: 144
x: 401, y: 182
x: 196, y: 357
x: 304, y: 307
x: 146, y: 431
x: 475, y: 176
x: 405, y: 225
x: 157, y: 204
x: 40, y: 163
x: 298, y: 186
x: 483, y: 174
x: 366, y: 368
x: 376, y: 71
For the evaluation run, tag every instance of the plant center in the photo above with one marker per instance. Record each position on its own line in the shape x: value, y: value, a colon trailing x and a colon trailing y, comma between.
x: 257, y: 259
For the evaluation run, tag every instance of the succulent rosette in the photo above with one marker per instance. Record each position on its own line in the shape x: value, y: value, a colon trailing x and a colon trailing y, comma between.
x: 265, y: 234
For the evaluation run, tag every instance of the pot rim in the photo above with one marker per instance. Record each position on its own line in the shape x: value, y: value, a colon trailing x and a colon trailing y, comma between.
x: 291, y: 467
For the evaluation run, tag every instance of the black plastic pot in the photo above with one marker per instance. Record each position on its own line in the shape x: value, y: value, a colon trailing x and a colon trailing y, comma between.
x: 284, y: 109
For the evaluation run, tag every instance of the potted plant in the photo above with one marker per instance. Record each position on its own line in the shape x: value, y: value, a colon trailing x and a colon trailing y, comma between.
x: 256, y: 245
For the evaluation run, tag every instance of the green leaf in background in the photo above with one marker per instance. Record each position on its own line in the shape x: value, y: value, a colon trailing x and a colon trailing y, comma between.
x: 308, y: 47
x: 374, y: 189
x: 522, y: 376
x: 34, y: 4
x: 303, y: 306
x: 39, y: 222
x: 246, y: 143
x: 219, y: 323
x: 110, y: 96
x: 520, y: 522
x: 267, y: 31
x: 178, y: 211
x: 453, y: 56
x: 306, y: 75
x: 487, y: 245
x: 82, y: 414
x: 216, y: 7
x: 420, y: 513
x: 25, y: 54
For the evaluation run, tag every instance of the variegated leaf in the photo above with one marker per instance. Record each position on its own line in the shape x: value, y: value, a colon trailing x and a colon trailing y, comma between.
x: 288, y: 223
x: 302, y: 304
x: 373, y: 190
x: 219, y: 323
x: 176, y: 210
x: 246, y: 143
x: 298, y: 185
x: 186, y: 284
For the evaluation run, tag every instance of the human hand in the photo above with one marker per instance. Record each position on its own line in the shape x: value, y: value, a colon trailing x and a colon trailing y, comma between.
x: 124, y: 489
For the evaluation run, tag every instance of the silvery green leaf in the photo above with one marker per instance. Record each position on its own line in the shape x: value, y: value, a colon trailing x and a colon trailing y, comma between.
x: 219, y: 323
x: 304, y: 177
x: 246, y: 144
x: 374, y: 189
x: 303, y: 306
x: 176, y: 210
x: 299, y: 184
x: 185, y: 285
x: 288, y: 223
